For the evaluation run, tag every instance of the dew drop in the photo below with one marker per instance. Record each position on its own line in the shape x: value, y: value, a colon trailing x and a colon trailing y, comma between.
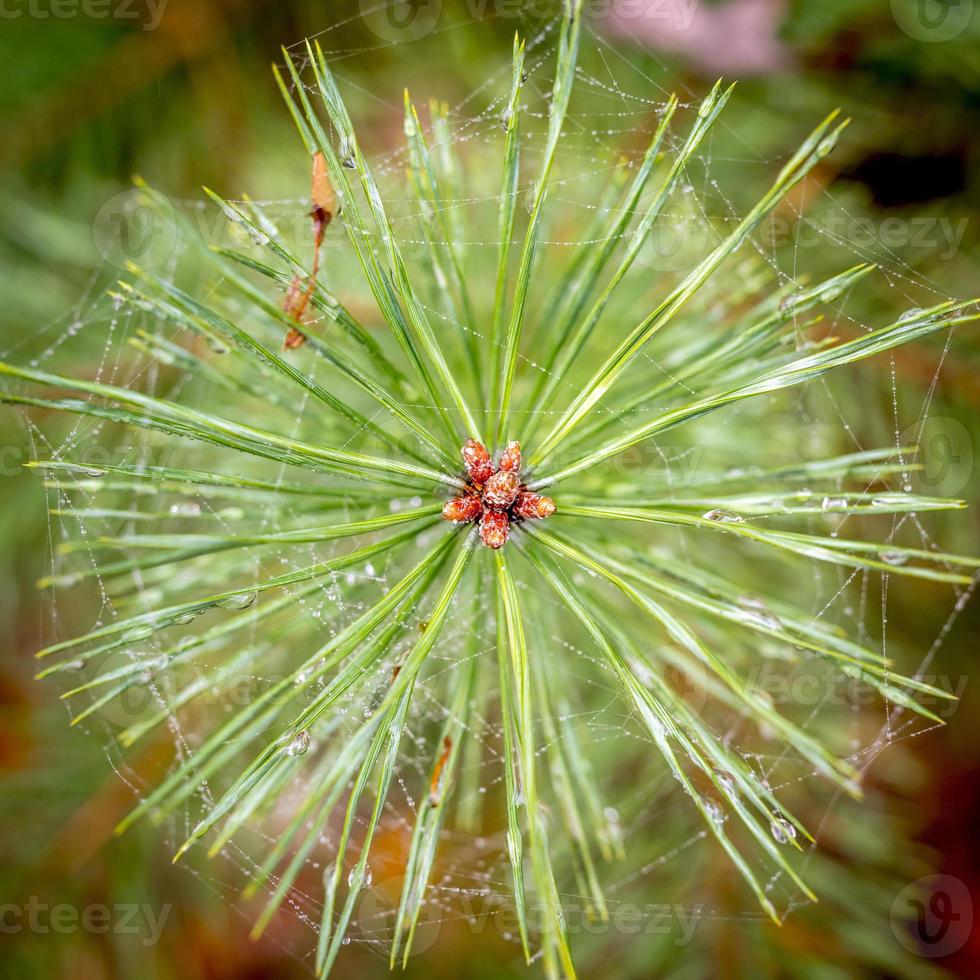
x: 187, y: 508
x: 366, y: 878
x: 726, y: 780
x: 894, y: 557
x: 723, y: 516
x: 240, y: 601
x: 299, y: 744
x: 756, y: 611
x: 782, y: 830
x: 714, y: 811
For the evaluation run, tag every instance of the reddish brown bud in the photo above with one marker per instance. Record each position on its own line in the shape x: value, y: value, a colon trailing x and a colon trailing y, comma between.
x: 494, y: 528
x: 461, y: 509
x: 501, y: 490
x: 496, y: 497
x: 532, y: 507
x: 510, y: 458
x: 479, y: 465
x: 294, y: 338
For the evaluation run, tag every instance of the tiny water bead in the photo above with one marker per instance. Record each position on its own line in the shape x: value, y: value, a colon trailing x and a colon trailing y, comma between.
x: 782, y: 830
x: 894, y: 557
x: 186, y: 508
x: 239, y: 600
x: 714, y: 811
x: 723, y: 516
x: 754, y: 610
x: 367, y: 878
x: 299, y: 744
x: 726, y: 781
x: 494, y: 495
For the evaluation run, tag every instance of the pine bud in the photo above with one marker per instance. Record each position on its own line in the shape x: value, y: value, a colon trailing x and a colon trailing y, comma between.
x: 478, y: 463
x: 510, y: 458
x: 532, y: 507
x: 494, y: 528
x: 501, y: 490
x: 462, y: 509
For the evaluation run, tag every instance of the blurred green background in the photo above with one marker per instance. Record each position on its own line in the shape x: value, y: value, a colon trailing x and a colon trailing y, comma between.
x: 180, y: 92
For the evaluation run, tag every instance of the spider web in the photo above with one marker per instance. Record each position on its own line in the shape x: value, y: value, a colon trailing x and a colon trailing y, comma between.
x: 470, y: 884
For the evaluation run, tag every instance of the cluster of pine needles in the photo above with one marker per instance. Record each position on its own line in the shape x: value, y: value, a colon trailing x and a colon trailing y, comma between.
x: 527, y: 351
